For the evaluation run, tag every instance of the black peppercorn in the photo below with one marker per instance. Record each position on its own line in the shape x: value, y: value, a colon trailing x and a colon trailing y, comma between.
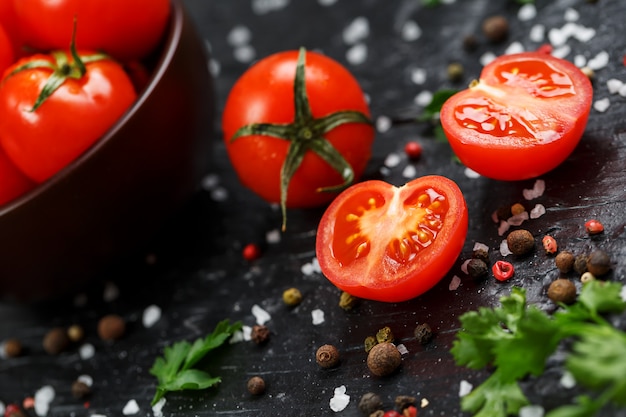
x: 598, y: 263
x: 12, y: 348
x: 369, y: 403
x: 580, y: 264
x: 496, y: 28
x: 423, y: 333
x: 80, y: 389
x: 404, y: 401
x: 477, y: 268
x: 260, y: 334
x: 383, y: 359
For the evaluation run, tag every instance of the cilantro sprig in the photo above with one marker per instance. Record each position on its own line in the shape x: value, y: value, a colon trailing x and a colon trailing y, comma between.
x: 517, y: 339
x: 175, y: 369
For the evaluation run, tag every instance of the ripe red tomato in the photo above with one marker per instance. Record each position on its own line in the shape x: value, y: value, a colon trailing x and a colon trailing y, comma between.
x: 14, y: 182
x: 6, y: 51
x: 327, y: 93
x: 42, y: 141
x: 124, y: 29
x: 387, y: 243
x: 9, y: 24
x: 523, y: 117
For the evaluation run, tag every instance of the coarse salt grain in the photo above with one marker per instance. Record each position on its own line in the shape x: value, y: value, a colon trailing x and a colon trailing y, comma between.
x: 317, y: 316
x: 486, y: 58
x: 356, y: 31
x: 455, y: 283
x: 340, y: 399
x: 210, y: 181
x: 527, y: 12
x: 537, y: 33
x: 504, y: 248
x: 614, y: 85
x: 131, y: 408
x: 272, y: 236
x: 261, y: 316
x: 464, y: 266
x: 514, y: 48
x: 465, y: 388
x: 561, y: 51
x: 580, y: 61
x: 503, y: 227
x: 402, y: 349
x: 409, y: 172
x: 2, y: 408
x: 518, y: 219
x: 244, y: 54
x: 424, y: 98
x: 392, y: 160
x: 539, y: 187
x: 151, y: 315
x: 239, y: 35
x: 623, y: 293
x: 470, y: 173
x: 327, y: 2
x: 42, y: 399
x: 567, y: 380
x: 599, y: 61
x: 86, y: 351
x: 602, y: 104
x: 418, y: 76
x: 480, y: 246
x: 411, y: 31
x: 357, y: 54
x: 266, y: 6
x: 531, y: 411
x: 157, y: 409
x: 571, y: 15
x: 86, y: 379
x: 383, y: 124
x: 622, y: 91
x: 537, y: 211
x: 424, y: 402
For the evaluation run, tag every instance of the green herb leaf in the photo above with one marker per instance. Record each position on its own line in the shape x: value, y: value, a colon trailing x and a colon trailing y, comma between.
x: 517, y: 340
x: 173, y: 370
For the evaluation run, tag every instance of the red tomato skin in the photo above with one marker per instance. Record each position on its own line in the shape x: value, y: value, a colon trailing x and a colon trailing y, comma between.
x: 75, y: 116
x: 6, y: 51
x: 369, y: 279
x: 8, y: 21
x: 264, y: 93
x: 512, y: 158
x: 124, y: 29
x: 14, y: 182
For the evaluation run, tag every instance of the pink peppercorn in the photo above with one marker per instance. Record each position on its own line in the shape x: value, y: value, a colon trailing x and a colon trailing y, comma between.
x: 503, y: 270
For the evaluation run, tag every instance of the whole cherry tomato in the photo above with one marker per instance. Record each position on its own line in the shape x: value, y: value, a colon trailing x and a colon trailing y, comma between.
x: 6, y: 51
x: 124, y: 29
x: 8, y: 21
x: 523, y: 117
x: 14, y: 182
x: 296, y: 124
x: 41, y: 137
x: 387, y: 243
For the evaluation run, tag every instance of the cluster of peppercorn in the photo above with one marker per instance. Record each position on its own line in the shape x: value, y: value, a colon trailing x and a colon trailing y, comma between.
x: 371, y: 405
x: 58, y: 340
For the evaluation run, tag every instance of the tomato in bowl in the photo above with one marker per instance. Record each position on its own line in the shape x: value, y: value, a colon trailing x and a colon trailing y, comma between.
x: 108, y: 203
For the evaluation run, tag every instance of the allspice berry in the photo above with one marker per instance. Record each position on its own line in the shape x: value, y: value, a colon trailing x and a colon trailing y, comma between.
x: 56, y: 341
x: 260, y: 334
x: 562, y: 290
x: 383, y: 359
x: 111, y: 327
x: 327, y: 356
x: 496, y: 28
x: 564, y: 261
x: 12, y: 348
x: 256, y: 385
x: 598, y: 263
x: 80, y: 390
x: 520, y: 242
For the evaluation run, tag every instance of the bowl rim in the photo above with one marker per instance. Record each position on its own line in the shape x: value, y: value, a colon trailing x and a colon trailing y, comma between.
x: 170, y: 44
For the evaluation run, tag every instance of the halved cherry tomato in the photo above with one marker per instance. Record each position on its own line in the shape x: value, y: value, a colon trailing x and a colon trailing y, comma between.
x: 523, y: 117
x: 296, y: 125
x: 387, y: 243
x: 13, y: 182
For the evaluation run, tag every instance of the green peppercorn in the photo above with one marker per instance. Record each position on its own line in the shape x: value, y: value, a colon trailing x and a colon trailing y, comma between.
x: 292, y: 297
x: 455, y: 72
x: 384, y: 335
x: 370, y: 342
x: 347, y: 301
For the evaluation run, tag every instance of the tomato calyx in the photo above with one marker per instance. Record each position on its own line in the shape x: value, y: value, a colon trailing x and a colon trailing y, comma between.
x: 306, y: 133
x: 62, y: 69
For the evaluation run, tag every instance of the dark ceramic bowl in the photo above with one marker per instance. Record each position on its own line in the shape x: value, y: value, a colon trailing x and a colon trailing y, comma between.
x: 114, y: 198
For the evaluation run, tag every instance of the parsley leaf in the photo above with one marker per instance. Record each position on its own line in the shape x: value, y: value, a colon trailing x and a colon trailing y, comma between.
x: 174, y: 369
x: 506, y: 337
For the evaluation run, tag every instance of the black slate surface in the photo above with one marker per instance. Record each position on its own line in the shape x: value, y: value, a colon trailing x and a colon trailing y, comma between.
x: 198, y: 276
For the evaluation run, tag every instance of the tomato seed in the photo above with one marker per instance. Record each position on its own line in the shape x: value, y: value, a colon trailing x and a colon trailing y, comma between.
x: 503, y: 270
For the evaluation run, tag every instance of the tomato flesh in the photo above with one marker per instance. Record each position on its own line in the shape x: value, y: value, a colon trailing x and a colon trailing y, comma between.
x: 522, y: 119
x: 389, y: 243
